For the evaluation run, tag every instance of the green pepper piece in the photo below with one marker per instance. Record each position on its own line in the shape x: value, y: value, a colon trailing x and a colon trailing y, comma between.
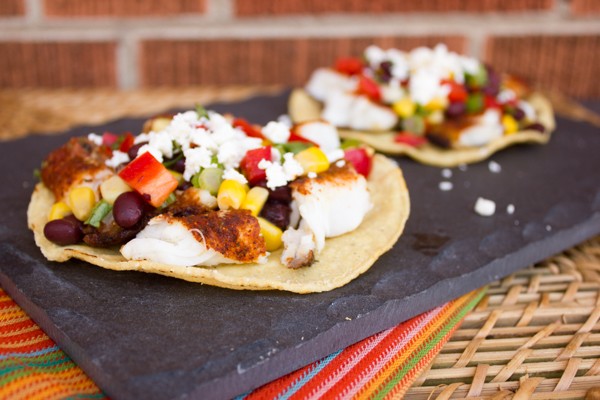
x: 201, y: 111
x: 479, y: 79
x: 296, y: 147
x: 100, y: 210
x: 349, y: 143
x: 474, y: 103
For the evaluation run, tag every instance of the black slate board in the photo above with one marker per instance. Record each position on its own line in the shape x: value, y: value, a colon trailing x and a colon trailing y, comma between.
x: 152, y: 337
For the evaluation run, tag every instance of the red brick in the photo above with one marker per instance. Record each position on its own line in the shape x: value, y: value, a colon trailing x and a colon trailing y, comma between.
x: 570, y: 64
x: 122, y: 8
x: 71, y: 64
x: 12, y: 8
x: 259, y: 61
x: 585, y: 7
x: 283, y: 7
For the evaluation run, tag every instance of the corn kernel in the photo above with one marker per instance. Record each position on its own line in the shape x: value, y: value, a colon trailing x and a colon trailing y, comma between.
x: 160, y: 123
x: 59, y: 210
x: 436, y: 117
x: 231, y: 194
x: 271, y: 233
x: 510, y: 124
x: 255, y: 200
x: 312, y: 160
x: 438, y: 103
x: 405, y: 107
x: 82, y: 200
x: 112, y: 188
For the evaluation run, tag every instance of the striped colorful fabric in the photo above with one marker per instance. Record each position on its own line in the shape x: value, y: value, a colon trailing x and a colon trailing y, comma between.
x: 382, y: 366
x: 32, y: 366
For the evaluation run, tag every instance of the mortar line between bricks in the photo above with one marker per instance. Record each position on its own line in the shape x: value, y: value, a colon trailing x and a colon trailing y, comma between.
x: 34, y: 11
x: 300, y: 28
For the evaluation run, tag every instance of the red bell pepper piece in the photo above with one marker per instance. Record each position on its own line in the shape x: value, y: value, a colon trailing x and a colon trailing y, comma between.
x: 349, y: 65
x: 369, y: 88
x: 248, y: 128
x: 360, y: 159
x: 458, y: 93
x: 491, y: 102
x: 249, y: 164
x: 127, y: 142
x: 108, y: 139
x: 294, y: 137
x: 410, y: 139
x: 149, y: 178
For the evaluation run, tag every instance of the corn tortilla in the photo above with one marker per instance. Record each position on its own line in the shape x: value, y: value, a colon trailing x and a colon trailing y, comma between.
x: 302, y: 107
x: 343, y: 258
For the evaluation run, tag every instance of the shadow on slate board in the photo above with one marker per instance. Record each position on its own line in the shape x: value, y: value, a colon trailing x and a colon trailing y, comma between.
x: 147, y: 336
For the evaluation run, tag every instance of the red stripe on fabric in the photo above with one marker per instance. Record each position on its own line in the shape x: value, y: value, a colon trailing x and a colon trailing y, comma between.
x: 31, y: 347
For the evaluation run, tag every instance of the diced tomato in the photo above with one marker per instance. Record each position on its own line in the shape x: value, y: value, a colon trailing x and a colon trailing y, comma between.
x: 249, y: 164
x: 410, y: 139
x: 360, y: 159
x: 127, y: 142
x: 248, y: 128
x: 149, y: 178
x: 349, y: 65
x: 369, y: 88
x: 108, y: 139
x: 294, y: 137
x: 458, y: 93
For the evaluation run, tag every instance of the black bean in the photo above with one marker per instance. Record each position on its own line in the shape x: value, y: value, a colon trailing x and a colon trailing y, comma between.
x: 456, y: 109
x: 277, y: 212
x: 63, y: 231
x: 128, y: 209
x: 179, y: 166
x: 536, y: 127
x: 281, y: 193
x: 133, y: 150
x: 518, y: 114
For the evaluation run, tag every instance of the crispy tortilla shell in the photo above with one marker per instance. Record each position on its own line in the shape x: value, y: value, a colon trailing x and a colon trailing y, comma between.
x: 343, y: 258
x: 302, y: 107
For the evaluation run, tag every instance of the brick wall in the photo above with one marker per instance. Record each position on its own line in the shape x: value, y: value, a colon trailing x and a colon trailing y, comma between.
x: 146, y: 43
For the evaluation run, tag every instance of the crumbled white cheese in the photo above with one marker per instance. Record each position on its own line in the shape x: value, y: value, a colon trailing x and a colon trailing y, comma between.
x: 97, y: 139
x: 548, y: 228
x: 447, y: 173
x: 335, y: 155
x: 148, y: 149
x: 161, y: 141
x: 494, y: 167
x: 528, y: 110
x: 195, y: 159
x: 340, y: 163
x: 510, y: 209
x: 234, y: 175
x: 445, y: 186
x: 274, y: 172
x: 320, y: 132
x: 485, y: 207
x: 276, y: 132
x: 506, y: 95
x: 118, y: 158
x: 285, y: 120
x: 312, y: 175
x: 291, y: 167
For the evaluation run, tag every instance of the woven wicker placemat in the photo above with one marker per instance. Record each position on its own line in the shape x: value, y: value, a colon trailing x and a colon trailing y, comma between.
x: 535, y: 335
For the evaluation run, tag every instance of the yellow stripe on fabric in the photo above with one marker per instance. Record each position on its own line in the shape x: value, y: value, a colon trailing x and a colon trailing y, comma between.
x: 15, y: 345
x: 19, y: 331
x: 402, y: 356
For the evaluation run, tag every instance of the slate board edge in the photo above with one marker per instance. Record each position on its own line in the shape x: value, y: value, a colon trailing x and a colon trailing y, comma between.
x: 388, y: 315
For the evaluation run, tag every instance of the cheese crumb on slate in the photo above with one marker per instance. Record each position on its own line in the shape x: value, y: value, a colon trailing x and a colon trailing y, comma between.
x: 445, y: 186
x: 485, y: 207
x: 446, y: 173
x: 510, y: 209
x: 494, y: 167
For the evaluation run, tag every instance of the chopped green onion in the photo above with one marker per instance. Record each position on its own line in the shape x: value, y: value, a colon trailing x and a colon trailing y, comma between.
x: 173, y: 161
x: 100, y: 210
x: 170, y: 200
x: 37, y: 173
x: 194, y: 181
x: 201, y: 111
x: 210, y: 179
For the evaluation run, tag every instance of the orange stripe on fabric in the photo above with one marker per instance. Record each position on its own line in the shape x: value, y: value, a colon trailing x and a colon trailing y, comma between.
x: 396, y: 356
x: 43, y: 383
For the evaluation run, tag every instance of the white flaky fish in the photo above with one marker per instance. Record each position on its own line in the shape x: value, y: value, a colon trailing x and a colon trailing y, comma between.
x: 333, y: 203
